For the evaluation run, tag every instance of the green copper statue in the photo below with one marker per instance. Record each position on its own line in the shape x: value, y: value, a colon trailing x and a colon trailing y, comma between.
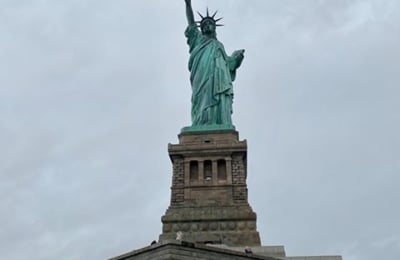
x: 212, y: 72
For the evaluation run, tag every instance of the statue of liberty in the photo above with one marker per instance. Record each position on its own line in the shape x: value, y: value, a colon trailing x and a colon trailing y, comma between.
x: 212, y: 72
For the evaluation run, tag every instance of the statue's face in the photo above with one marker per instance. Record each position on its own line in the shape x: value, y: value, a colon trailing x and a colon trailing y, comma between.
x: 208, y: 27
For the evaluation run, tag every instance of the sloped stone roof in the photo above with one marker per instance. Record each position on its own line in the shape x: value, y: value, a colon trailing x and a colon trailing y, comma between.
x: 181, y: 250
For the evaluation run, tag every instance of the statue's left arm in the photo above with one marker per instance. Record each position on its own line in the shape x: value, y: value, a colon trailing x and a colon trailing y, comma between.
x: 234, y: 62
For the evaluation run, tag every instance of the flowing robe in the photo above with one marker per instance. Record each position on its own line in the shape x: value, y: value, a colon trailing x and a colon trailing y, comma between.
x: 211, y: 74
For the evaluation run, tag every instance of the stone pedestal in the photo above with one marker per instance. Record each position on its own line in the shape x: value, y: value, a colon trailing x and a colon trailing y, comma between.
x: 209, y: 191
x: 209, y: 204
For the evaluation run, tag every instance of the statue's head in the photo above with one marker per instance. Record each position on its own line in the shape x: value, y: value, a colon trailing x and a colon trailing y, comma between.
x: 208, y: 26
x: 208, y: 23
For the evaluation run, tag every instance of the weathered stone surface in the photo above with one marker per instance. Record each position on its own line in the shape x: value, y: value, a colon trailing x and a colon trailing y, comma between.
x: 209, y: 191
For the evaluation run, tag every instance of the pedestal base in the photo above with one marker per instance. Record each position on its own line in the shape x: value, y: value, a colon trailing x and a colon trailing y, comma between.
x: 209, y: 201
x: 229, y: 225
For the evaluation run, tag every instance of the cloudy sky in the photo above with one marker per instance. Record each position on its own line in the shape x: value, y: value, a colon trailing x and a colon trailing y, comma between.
x: 92, y: 91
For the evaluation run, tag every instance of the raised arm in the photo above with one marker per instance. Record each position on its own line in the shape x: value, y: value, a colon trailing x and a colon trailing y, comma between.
x: 189, y: 12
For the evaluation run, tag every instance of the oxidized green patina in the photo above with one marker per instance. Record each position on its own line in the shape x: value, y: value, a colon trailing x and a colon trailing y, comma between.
x: 212, y: 72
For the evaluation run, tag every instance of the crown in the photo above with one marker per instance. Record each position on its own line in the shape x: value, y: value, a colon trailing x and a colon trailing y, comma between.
x: 208, y: 18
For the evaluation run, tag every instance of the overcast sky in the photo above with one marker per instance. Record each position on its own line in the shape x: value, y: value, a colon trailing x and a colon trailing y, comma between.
x: 92, y: 91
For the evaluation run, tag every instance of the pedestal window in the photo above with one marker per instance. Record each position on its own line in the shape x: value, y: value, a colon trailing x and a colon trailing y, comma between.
x: 207, y: 170
x: 194, y: 170
x: 221, y: 170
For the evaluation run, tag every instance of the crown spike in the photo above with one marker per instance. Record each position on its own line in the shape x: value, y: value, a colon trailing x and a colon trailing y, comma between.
x: 202, y: 17
x: 208, y: 17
